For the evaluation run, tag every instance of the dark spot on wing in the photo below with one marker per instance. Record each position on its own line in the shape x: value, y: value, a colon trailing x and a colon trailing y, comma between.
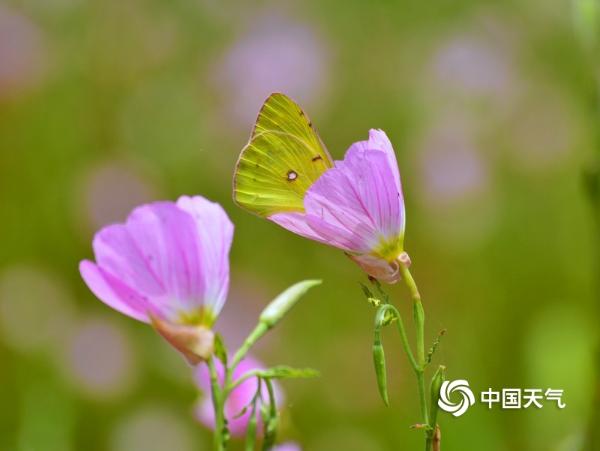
x: 292, y: 175
x: 317, y: 158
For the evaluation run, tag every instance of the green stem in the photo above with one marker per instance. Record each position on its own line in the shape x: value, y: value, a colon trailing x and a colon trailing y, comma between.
x: 218, y: 405
x: 592, y: 435
x: 260, y: 329
x: 401, y: 330
x: 249, y: 375
x: 422, y: 396
x: 419, y: 317
x: 592, y: 439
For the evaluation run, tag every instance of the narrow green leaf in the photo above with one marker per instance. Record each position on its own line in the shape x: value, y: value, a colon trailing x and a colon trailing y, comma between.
x: 220, y: 349
x: 436, y: 384
x: 287, y: 372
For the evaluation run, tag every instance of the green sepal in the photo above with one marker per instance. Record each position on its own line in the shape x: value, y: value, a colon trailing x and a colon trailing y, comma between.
x: 220, y: 349
x: 434, y: 389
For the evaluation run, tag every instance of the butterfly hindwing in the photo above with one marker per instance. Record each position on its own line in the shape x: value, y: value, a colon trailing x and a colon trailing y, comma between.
x: 284, y: 157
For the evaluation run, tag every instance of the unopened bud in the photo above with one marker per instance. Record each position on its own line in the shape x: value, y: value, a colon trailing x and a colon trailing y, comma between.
x: 380, y: 368
x: 282, y: 304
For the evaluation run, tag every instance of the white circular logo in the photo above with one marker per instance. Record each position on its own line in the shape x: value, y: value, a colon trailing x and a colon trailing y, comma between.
x: 460, y: 386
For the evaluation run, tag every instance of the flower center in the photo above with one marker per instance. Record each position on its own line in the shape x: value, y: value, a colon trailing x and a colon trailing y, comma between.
x: 389, y: 249
x: 197, y: 317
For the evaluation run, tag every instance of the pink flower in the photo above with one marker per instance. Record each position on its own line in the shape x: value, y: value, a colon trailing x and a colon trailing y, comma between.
x: 168, y: 265
x: 287, y: 446
x: 357, y: 206
x: 239, y: 398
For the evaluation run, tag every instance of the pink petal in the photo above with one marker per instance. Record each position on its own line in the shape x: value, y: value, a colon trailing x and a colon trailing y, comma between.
x: 356, y: 204
x: 297, y: 223
x: 288, y: 446
x: 113, y: 292
x: 215, y: 234
x: 382, y: 270
x: 168, y: 242
x: 238, y: 399
x: 118, y: 254
x: 378, y: 140
x: 174, y: 256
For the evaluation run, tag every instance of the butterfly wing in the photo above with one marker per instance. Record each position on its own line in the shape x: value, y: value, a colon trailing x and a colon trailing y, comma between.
x: 283, y: 158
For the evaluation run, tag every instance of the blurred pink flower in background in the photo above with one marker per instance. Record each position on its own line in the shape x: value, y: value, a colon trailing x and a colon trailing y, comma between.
x: 475, y: 68
x: 167, y: 265
x: 357, y: 206
x: 546, y: 130
x: 100, y: 360
x: 455, y: 179
x: 239, y: 398
x: 452, y: 168
x: 288, y: 446
x: 111, y: 190
x: 22, y: 53
x: 275, y: 54
x: 472, y: 65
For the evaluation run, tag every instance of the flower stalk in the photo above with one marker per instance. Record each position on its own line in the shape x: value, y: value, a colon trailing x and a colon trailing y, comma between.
x: 220, y: 436
x: 222, y: 390
x: 387, y: 314
x: 587, y: 28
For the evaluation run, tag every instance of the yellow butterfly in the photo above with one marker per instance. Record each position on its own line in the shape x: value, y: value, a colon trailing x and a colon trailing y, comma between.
x: 283, y: 158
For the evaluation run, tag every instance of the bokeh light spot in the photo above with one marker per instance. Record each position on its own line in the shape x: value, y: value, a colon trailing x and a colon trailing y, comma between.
x: 100, y: 360
x: 153, y: 429
x: 35, y: 309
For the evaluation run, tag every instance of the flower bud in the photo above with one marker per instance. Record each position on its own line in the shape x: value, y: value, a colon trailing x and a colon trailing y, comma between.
x: 380, y: 369
x: 282, y: 304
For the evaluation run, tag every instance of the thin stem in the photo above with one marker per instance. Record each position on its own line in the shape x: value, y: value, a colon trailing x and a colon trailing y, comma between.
x: 218, y: 405
x: 592, y: 435
x: 422, y: 396
x: 270, y: 432
x: 250, y: 374
x: 419, y: 317
x: 401, y: 330
x: 260, y: 329
x: 592, y: 439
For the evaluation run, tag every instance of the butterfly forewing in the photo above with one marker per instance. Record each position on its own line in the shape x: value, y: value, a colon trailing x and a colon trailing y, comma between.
x: 284, y: 157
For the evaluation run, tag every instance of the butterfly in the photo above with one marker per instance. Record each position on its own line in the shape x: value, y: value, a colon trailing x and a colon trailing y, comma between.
x: 282, y: 160
x: 286, y: 175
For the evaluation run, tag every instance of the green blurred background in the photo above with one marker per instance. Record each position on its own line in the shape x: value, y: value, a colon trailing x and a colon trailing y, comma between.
x: 108, y: 104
